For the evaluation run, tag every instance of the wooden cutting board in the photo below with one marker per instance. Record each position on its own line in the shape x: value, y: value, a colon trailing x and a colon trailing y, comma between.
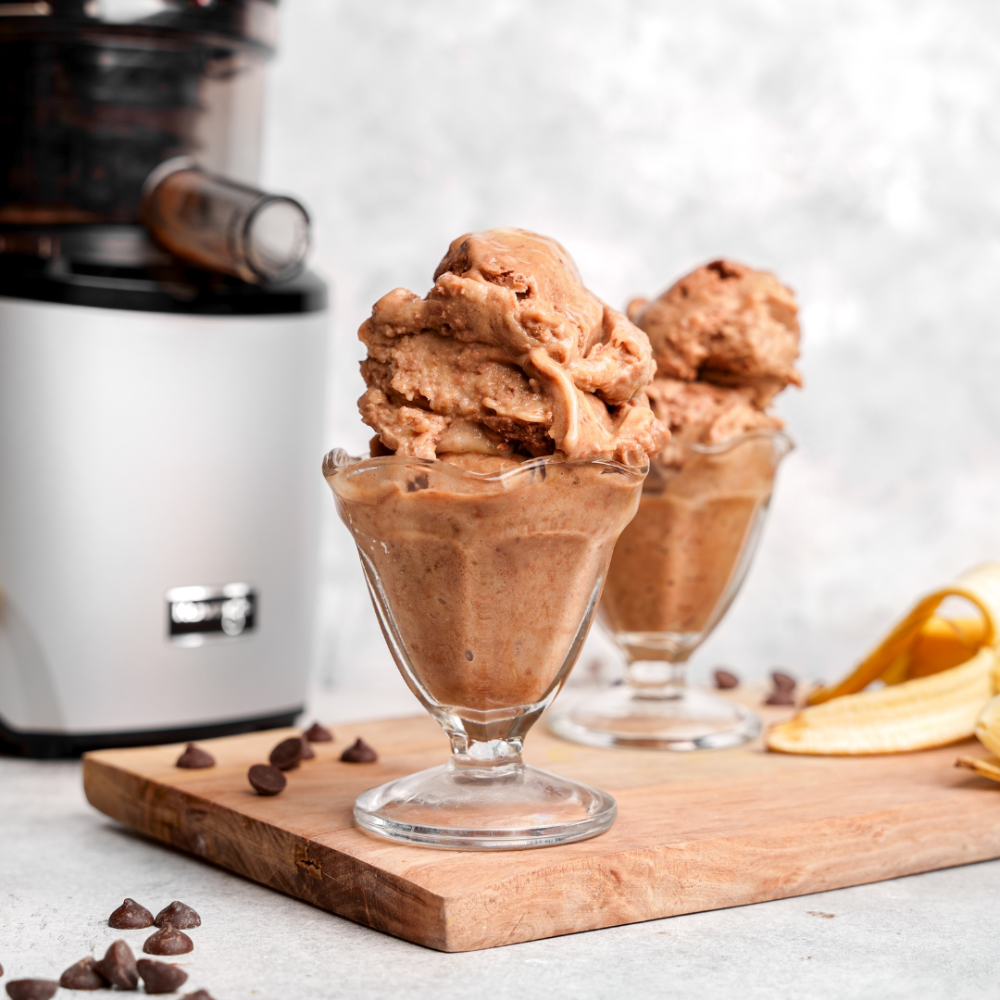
x: 695, y: 831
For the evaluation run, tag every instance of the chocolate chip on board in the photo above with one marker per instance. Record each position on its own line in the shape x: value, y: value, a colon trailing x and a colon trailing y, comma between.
x: 168, y: 941
x: 83, y: 976
x: 198, y: 995
x: 161, y: 977
x: 178, y: 915
x: 266, y: 779
x: 318, y: 734
x: 307, y: 751
x: 359, y: 753
x: 130, y: 916
x: 194, y: 758
x: 726, y: 680
x: 31, y: 989
x: 782, y: 682
x: 780, y: 698
x: 118, y: 966
x: 288, y: 753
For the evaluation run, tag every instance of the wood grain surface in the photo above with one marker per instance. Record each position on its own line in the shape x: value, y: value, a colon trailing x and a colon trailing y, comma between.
x: 694, y: 831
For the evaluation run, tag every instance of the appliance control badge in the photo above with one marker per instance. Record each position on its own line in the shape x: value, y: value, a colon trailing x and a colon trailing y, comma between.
x: 195, y: 614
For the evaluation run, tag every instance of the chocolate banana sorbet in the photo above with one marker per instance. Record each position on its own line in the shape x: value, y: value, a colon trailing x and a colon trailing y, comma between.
x: 507, y: 355
x: 487, y: 557
x: 725, y: 339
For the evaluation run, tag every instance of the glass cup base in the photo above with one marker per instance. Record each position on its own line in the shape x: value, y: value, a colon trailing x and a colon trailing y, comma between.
x: 680, y: 718
x: 500, y: 807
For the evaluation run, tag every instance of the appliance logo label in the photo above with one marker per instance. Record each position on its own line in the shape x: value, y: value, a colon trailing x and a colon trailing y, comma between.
x: 197, y: 613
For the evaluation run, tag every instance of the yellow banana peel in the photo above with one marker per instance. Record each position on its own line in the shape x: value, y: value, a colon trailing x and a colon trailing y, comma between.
x: 939, y: 673
x: 923, y: 644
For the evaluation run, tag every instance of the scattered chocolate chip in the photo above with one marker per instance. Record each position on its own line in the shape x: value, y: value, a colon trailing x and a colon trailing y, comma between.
x: 198, y: 995
x: 195, y: 758
x: 83, y: 976
x: 318, y: 734
x: 168, y: 941
x: 266, y: 780
x: 161, y: 977
x: 725, y: 680
x: 118, y: 966
x: 130, y: 916
x: 288, y: 753
x: 178, y: 915
x: 782, y: 682
x: 780, y: 698
x: 359, y: 753
x: 307, y: 751
x: 469, y: 655
x: 31, y: 989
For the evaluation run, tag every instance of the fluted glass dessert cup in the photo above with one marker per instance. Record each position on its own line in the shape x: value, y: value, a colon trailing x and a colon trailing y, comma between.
x: 675, y: 571
x: 485, y: 585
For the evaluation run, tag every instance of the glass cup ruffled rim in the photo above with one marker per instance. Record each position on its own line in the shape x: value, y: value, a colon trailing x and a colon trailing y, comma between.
x: 775, y: 434
x: 338, y: 461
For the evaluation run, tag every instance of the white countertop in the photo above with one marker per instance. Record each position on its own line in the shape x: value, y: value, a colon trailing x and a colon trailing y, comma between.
x: 64, y: 867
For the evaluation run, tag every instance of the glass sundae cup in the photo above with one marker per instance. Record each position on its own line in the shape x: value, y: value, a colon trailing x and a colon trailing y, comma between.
x: 675, y: 571
x: 485, y: 584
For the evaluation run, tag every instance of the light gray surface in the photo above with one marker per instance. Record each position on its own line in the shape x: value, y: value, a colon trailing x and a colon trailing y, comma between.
x: 852, y: 145
x: 64, y: 868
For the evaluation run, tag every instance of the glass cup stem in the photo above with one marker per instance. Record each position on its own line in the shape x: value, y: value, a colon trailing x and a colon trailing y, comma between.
x: 660, y: 679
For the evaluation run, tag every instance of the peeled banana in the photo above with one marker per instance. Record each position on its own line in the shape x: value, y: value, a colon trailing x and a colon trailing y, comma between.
x: 987, y: 730
x: 938, y: 673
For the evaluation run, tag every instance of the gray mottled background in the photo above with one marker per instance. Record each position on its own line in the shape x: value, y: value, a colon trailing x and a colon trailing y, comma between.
x: 853, y: 146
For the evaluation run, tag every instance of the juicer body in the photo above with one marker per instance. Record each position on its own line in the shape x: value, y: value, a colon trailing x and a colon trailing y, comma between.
x: 142, y: 452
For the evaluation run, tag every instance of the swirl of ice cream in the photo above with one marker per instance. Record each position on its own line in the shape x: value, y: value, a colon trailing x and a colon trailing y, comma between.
x: 508, y: 355
x: 725, y: 338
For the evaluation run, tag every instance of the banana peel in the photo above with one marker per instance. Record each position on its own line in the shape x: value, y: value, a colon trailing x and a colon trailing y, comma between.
x: 923, y: 643
x: 938, y: 674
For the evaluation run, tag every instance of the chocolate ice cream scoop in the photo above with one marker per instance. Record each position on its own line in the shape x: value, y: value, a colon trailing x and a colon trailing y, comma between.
x: 725, y: 323
x: 507, y: 355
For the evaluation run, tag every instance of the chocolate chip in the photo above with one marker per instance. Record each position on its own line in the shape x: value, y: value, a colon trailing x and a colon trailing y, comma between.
x: 469, y: 655
x: 266, y: 780
x: 118, y: 966
x: 178, y: 915
x: 359, y: 753
x: 195, y: 758
x: 198, y: 995
x: 168, y: 941
x: 161, y: 977
x: 31, y: 989
x: 725, y: 680
x: 318, y: 734
x: 287, y: 753
x: 782, y: 682
x: 83, y: 976
x: 780, y: 698
x: 130, y: 916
